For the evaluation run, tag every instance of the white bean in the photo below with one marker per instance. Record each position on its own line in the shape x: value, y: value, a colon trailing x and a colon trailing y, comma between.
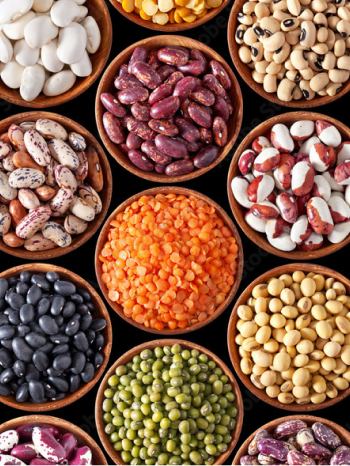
x: 42, y: 6
x: 93, y: 34
x: 59, y: 83
x: 83, y: 67
x: 25, y: 55
x: 33, y: 79
x: 49, y: 57
x: 6, y: 50
x: 64, y: 12
x: 15, y: 30
x: 10, y: 10
x: 71, y: 43
x: 40, y: 31
x: 12, y: 74
x: 83, y: 12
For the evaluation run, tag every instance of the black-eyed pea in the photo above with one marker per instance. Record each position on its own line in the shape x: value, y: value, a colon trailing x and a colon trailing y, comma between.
x: 307, y: 73
x: 240, y: 33
x: 271, y: 346
x: 343, y: 63
x: 318, y: 298
x: 340, y: 367
x: 285, y: 89
x: 243, y: 353
x: 245, y: 54
x: 331, y: 39
x: 340, y: 383
x: 287, y: 386
x: 319, y: 82
x: 273, y: 68
x: 345, y: 354
x: 247, y: 20
x: 331, y: 391
x: 298, y: 60
x: 320, y: 48
x: 302, y: 321
x: 316, y: 355
x: 328, y: 363
x: 304, y: 305
x: 239, y: 339
x: 289, y: 24
x: 286, y: 398
x: 339, y: 76
x: 245, y: 312
x: 308, y: 334
x: 324, y: 329
x: 280, y: 15
x: 322, y: 93
x: 308, y: 33
x: 334, y: 307
x: 268, y: 56
x: 318, y: 312
x: 260, y: 291
x: 270, y: 83
x: 250, y: 344
x: 320, y: 342
x: 294, y: 7
x: 343, y: 27
x: 273, y: 391
x: 339, y: 47
x: 281, y: 362
x: 281, y: 55
x: 293, y: 76
x: 258, y: 77
x: 322, y: 35
x: 292, y: 37
x: 261, y: 66
x: 249, y: 37
x: 305, y: 347
x: 308, y: 93
x: 317, y: 398
x: 261, y: 10
x: 246, y: 366
x: 270, y: 25
x: 258, y: 370
x: 300, y: 392
x: 257, y: 51
x: 249, y: 8
x: 346, y: 375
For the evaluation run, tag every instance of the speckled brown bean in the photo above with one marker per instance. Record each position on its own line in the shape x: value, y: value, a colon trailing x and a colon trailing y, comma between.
x: 112, y: 104
x: 206, y: 136
x: 150, y: 149
x: 45, y: 193
x: 184, y: 87
x: 95, y: 174
x: 133, y: 141
x: 187, y: 129
x: 180, y: 167
x: 139, y: 54
x: 17, y: 212
x: 199, y: 115
x: 206, y: 156
x: 146, y: 74
x: 203, y: 96
x: 166, y: 108
x: 211, y: 83
x: 171, y: 147
x: 220, y: 73
x: 164, y: 127
x: 175, y: 56
x: 24, y: 160
x: 141, y: 111
x: 132, y: 95
x: 220, y: 108
x: 141, y: 129
x: 162, y: 91
x: 174, y: 78
x: 165, y: 71
x: 140, y: 160
x: 126, y: 81
x: 113, y: 128
x: 220, y: 131
x: 12, y: 240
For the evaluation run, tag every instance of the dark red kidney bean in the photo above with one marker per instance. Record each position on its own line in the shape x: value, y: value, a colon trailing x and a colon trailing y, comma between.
x: 165, y: 71
x: 141, y: 129
x: 187, y: 129
x: 124, y: 120
x: 193, y: 68
x: 164, y: 127
x: 163, y: 91
x: 198, y: 55
x: 220, y: 131
x: 124, y: 148
x: 220, y: 108
x: 133, y: 141
x: 206, y: 136
x: 146, y: 74
x: 176, y: 56
x: 123, y: 69
x: 203, y: 96
x: 180, y: 167
x: 153, y: 59
x: 141, y: 111
x: 166, y: 108
x: 184, y: 87
x: 172, y: 147
x: 139, y: 54
x: 111, y: 103
x: 150, y: 149
x: 140, y: 160
x: 199, y: 115
x: 221, y: 74
x: 211, y: 83
x: 160, y: 168
x: 193, y: 146
x: 206, y: 156
x: 113, y: 128
x: 126, y: 81
x: 135, y: 94
x: 174, y: 78
x: 184, y: 109
x: 228, y: 100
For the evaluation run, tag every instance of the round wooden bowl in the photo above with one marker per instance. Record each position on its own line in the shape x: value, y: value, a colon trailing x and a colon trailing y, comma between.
x: 238, y: 211
x: 106, y: 85
x: 232, y: 333
x: 151, y: 345
x: 270, y: 427
x: 246, y: 74
x: 105, y: 194
x: 64, y: 427
x: 221, y: 214
x: 100, y: 312
x: 98, y: 9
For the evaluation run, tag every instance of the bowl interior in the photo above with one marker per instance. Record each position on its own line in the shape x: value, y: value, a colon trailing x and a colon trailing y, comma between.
x: 232, y: 333
x: 245, y: 71
x: 98, y: 9
x: 239, y: 211
x: 153, y: 344
x: 105, y: 194
x: 106, y: 85
x: 100, y: 312
x: 221, y: 214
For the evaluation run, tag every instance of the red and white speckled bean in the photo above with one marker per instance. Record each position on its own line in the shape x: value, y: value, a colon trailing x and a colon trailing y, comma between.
x: 61, y: 202
x: 39, y: 243
x: 51, y: 129
x: 65, y: 178
x: 63, y: 153
x: 89, y: 195
x: 26, y: 178
x: 33, y: 222
x: 56, y: 233
x: 37, y: 148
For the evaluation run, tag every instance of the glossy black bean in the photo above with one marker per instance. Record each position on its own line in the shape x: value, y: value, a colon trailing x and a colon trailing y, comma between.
x: 77, y: 298
x: 35, y: 327
x: 23, y: 330
x: 81, y: 342
x: 78, y: 362
x: 22, y: 350
x: 85, y: 294
x: 6, y: 344
x: 22, y: 288
x: 16, y: 301
x: 4, y: 286
x: 47, y: 348
x: 8, y: 294
x: 32, y: 372
x: 48, y: 325
x: 7, y: 331
x: 57, y: 305
x: 85, y: 322
x: 60, y: 349
x: 62, y: 362
x: 43, y: 307
x: 98, y: 360
x: 36, y: 391
x: 90, y: 335
x: 14, y: 387
x: 4, y: 320
x: 3, y: 304
x: 19, y: 368
x: 59, y: 338
x: 74, y: 383
x: 25, y: 276
x: 5, y: 390
x: 90, y: 354
x: 12, y: 281
x: 22, y: 394
x: 99, y: 342
x: 7, y: 375
x: 14, y: 318
x: 59, y: 320
x: 73, y: 325
x: 68, y: 310
x: 52, y: 373
x: 88, y: 373
x: 36, y: 340
x: 41, y: 282
x: 34, y: 295
x: 82, y: 309
x: 91, y: 307
x: 98, y: 325
x: 64, y: 287
x: 59, y: 396
x: 52, y: 276
x: 60, y: 383
x: 27, y: 313
x: 50, y: 392
x: 41, y: 360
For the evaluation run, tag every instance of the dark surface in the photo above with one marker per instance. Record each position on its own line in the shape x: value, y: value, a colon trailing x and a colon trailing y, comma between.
x: 213, y: 184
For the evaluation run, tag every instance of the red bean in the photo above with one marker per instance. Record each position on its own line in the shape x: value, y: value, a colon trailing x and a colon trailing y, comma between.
x: 164, y: 127
x: 140, y: 160
x: 172, y: 147
x: 112, y: 104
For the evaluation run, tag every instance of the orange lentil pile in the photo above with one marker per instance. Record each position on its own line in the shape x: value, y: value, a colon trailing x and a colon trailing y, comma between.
x: 169, y: 261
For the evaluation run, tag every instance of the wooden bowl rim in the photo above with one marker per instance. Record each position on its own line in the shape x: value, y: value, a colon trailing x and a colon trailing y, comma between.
x: 258, y: 88
x: 260, y: 238
x: 222, y: 214
x: 232, y: 332
x: 153, y: 344
x: 338, y: 429
x: 108, y: 334
x: 107, y: 188
x: 61, y: 425
x: 83, y: 83
x: 112, y: 148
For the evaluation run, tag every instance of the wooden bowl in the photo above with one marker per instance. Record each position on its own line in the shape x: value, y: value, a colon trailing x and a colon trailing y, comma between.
x: 98, y: 9
x: 64, y: 427
x: 238, y: 211
x: 246, y: 74
x: 221, y: 214
x: 105, y: 194
x: 100, y: 312
x: 106, y: 85
x: 153, y: 344
x: 232, y: 333
x: 270, y: 427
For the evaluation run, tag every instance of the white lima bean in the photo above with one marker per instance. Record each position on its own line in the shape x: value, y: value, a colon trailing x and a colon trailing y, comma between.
x: 15, y: 30
x: 83, y: 67
x: 49, y: 57
x: 10, y: 10
x: 25, y: 55
x: 32, y: 82
x: 12, y: 73
x: 71, y: 43
x: 59, y: 83
x: 6, y: 49
x: 83, y: 12
x: 93, y: 34
x: 40, y: 31
x: 42, y: 6
x: 63, y: 13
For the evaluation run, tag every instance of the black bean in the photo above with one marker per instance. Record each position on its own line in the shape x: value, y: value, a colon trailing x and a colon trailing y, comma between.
x: 32, y: 373
x: 41, y: 360
x: 77, y: 298
x: 85, y: 322
x: 48, y: 325
x: 14, y: 317
x: 5, y: 390
x: 36, y: 390
x: 60, y: 349
x: 98, y: 325
x: 57, y: 305
x: 64, y: 288
x: 12, y: 281
x: 84, y: 293
x: 47, y: 348
x: 21, y: 381
x: 88, y: 373
x: 27, y: 313
x: 22, y: 394
x: 74, y: 383
x: 62, y: 362
x: 8, y: 294
x: 60, y: 383
x: 50, y: 392
x: 22, y: 288
x: 6, y: 344
x: 59, y: 338
x: 4, y: 320
x: 4, y: 286
x: 14, y: 387
x: 90, y: 335
x: 81, y: 342
x: 34, y: 295
x: 82, y: 309
x: 6, y: 332
x: 59, y: 320
x: 41, y: 282
x: 19, y: 368
x: 91, y: 307
x: 3, y: 304
x: 23, y: 330
x: 5, y: 358
x: 43, y: 400
x: 78, y: 362
x: 90, y: 354
x: 43, y: 307
x: 22, y: 350
x: 35, y: 327
x: 99, y: 342
x: 98, y: 360
x: 16, y: 301
x: 52, y: 276
x: 7, y: 376
x: 25, y: 276
x: 73, y: 325
x: 36, y: 340
x: 68, y: 310
x: 59, y: 396
x: 52, y: 373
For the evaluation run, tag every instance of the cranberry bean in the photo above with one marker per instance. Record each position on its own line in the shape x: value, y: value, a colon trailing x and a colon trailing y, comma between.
x: 174, y: 78
x: 139, y: 54
x: 220, y: 131
x: 175, y: 56
x: 180, y: 167
x: 113, y: 128
x: 187, y: 129
x: 184, y: 87
x: 132, y: 95
x: 165, y: 71
x: 166, y: 108
x: 150, y: 149
x: 193, y: 68
x: 164, y: 127
x: 220, y: 108
x: 203, y: 96
x: 206, y: 156
x: 199, y: 115
x: 146, y: 74
x: 221, y: 74
x: 133, y: 141
x: 127, y: 81
x: 205, y: 136
x: 153, y: 60
x: 141, y: 129
x: 140, y: 160
x: 141, y: 111
x: 172, y: 147
x: 163, y: 91
x: 112, y: 104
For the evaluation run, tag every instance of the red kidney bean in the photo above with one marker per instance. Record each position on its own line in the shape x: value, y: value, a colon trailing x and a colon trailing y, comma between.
x: 220, y: 131
x: 176, y: 56
x: 133, y: 141
x: 220, y: 108
x: 111, y: 103
x: 172, y: 147
x: 135, y: 94
x: 221, y: 74
x: 203, y: 96
x: 164, y: 127
x: 141, y: 129
x: 113, y: 128
x: 123, y: 69
x: 205, y: 136
x: 141, y: 111
x: 166, y: 108
x: 140, y: 160
x: 124, y: 148
x: 160, y: 168
x: 127, y: 81
x: 184, y: 87
x: 139, y: 54
x: 184, y: 109
x: 198, y: 55
x: 153, y: 59
x: 199, y: 115
x: 193, y: 68
x: 211, y: 83
x: 124, y: 120
x: 146, y: 74
x: 165, y: 71
x: 162, y: 91
x: 190, y: 146
x: 180, y: 167
x: 187, y: 129
x: 206, y: 156
x: 175, y: 77
x: 150, y: 149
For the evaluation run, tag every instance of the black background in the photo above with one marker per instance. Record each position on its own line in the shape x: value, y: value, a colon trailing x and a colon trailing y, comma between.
x: 213, y: 184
